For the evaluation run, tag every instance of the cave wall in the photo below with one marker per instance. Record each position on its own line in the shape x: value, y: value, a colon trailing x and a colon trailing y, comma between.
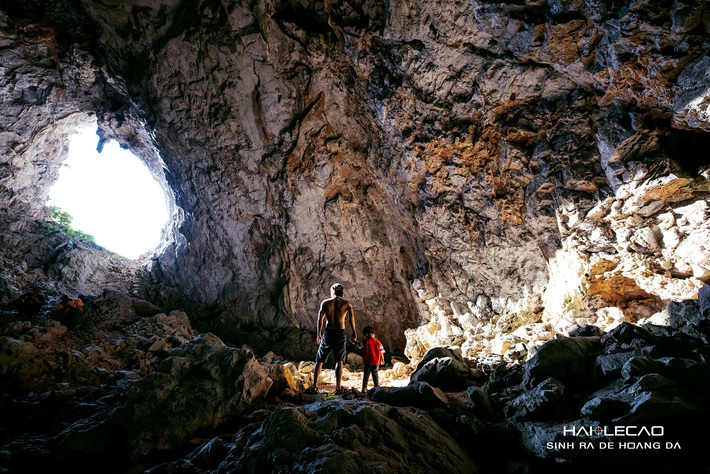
x: 464, y: 158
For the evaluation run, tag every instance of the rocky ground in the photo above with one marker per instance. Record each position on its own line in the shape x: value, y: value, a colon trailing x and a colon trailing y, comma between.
x: 133, y: 389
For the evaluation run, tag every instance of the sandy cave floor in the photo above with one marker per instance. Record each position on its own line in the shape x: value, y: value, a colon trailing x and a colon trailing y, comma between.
x: 353, y: 380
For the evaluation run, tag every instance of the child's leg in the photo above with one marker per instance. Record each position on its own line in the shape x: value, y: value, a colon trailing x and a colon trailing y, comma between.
x: 375, y: 375
x: 365, y: 376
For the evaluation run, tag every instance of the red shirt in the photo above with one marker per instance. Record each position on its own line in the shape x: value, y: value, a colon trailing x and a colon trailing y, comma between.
x: 372, y: 349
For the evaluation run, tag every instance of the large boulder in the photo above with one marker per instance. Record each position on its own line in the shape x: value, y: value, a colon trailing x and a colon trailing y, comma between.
x: 652, y: 399
x: 567, y: 359
x: 352, y: 436
x: 544, y: 401
x: 444, y: 368
x: 417, y: 394
x: 112, y: 341
x: 687, y: 317
x: 201, y: 386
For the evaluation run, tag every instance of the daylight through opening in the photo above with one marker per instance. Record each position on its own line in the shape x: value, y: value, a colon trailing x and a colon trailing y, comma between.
x: 111, y: 196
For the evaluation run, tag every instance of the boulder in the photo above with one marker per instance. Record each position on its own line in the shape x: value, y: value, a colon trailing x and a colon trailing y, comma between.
x: 284, y: 382
x: 581, y: 330
x: 444, y: 368
x: 417, y: 394
x: 544, y: 401
x: 685, y: 317
x: 691, y: 374
x: 610, y: 365
x: 201, y: 386
x: 480, y: 402
x: 352, y: 436
x: 567, y: 359
x: 625, y: 336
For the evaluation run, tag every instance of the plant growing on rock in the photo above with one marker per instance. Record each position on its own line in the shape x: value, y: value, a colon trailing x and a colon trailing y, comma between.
x: 62, y: 222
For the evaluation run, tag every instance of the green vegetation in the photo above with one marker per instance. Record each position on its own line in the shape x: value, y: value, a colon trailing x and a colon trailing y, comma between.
x: 62, y: 222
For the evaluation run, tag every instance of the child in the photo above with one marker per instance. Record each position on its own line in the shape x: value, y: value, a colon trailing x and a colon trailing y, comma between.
x: 373, y: 356
x: 69, y: 311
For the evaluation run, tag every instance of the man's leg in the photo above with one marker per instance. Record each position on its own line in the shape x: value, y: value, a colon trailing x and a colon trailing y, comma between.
x: 338, y: 374
x: 316, y: 374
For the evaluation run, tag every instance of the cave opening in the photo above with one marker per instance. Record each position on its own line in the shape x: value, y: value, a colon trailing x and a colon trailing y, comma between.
x: 110, y: 195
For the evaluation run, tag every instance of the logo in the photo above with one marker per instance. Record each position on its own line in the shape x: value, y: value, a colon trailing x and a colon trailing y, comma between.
x: 613, y: 431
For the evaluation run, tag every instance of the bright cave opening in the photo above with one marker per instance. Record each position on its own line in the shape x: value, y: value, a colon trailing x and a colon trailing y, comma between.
x: 111, y: 196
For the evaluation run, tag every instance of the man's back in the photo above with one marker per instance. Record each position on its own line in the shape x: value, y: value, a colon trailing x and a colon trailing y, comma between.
x: 336, y: 311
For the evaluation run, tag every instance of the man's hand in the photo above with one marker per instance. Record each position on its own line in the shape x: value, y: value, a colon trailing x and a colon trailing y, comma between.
x: 318, y: 339
x: 354, y: 339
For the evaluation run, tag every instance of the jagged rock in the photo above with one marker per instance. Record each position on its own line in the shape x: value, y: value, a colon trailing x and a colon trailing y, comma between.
x: 611, y: 364
x: 354, y: 437
x: 200, y: 386
x: 704, y: 300
x: 651, y: 399
x: 477, y: 174
x: 685, y: 317
x: 284, y: 382
x: 444, y: 368
x: 687, y: 373
x: 567, y: 359
x: 119, y: 305
x: 111, y: 338
x: 625, y: 337
x: 210, y: 454
x: 480, y: 402
x: 584, y: 330
x: 416, y: 394
x: 541, y: 402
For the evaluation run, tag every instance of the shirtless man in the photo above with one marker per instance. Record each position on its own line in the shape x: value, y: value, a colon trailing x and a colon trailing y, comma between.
x: 330, y: 335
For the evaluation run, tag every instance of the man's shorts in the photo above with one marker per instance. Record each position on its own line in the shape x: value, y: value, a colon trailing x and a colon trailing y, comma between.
x: 333, y: 340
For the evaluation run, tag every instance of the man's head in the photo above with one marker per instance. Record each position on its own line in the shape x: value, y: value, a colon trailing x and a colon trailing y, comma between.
x: 337, y: 289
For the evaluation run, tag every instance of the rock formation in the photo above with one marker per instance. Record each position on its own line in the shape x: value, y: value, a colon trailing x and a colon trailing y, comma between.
x: 470, y: 159
x: 132, y: 389
x: 482, y: 177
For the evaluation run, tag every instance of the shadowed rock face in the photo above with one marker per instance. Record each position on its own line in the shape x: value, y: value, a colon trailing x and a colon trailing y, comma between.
x: 443, y: 160
x: 132, y: 389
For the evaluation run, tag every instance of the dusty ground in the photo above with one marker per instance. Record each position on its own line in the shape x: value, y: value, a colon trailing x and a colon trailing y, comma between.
x: 353, y: 380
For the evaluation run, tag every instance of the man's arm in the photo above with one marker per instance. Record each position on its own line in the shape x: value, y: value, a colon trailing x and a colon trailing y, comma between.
x: 351, y: 312
x: 320, y: 325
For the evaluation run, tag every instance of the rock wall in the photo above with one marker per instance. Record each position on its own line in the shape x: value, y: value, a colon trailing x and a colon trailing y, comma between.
x: 452, y: 161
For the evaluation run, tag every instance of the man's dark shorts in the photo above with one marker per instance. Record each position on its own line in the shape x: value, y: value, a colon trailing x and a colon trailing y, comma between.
x: 333, y: 340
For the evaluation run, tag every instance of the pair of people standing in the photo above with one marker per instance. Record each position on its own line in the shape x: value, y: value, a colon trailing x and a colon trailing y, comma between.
x: 331, y: 337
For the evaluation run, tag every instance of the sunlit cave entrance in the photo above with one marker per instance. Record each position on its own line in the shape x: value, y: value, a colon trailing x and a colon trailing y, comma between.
x: 110, y: 196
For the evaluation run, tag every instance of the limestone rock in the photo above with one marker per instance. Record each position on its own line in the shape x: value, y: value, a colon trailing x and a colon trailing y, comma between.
x: 476, y: 174
x: 354, y: 436
x: 417, y: 394
x: 284, y: 382
x: 541, y: 402
x: 200, y: 386
x: 569, y: 360
x: 443, y: 368
x: 448, y: 167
